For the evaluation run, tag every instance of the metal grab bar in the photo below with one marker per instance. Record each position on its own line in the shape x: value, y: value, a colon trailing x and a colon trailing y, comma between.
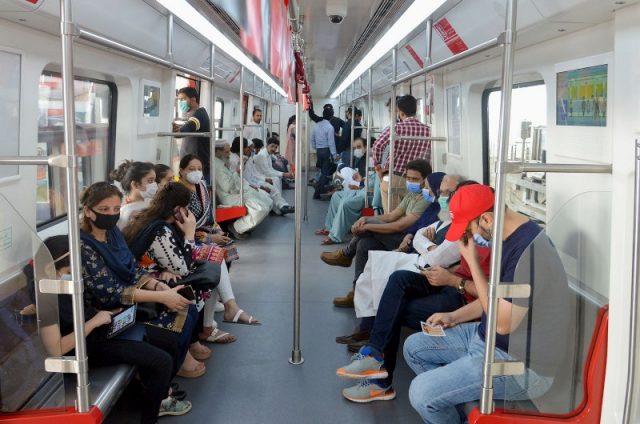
x: 572, y: 168
x: 184, y: 134
x: 367, y: 140
x: 419, y: 138
x: 392, y: 138
x: 635, y: 293
x: 58, y: 160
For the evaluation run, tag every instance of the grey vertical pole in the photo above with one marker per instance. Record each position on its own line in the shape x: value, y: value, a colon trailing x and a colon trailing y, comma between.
x: 392, y: 135
x: 67, y: 30
x: 353, y: 120
x: 303, y: 143
x: 427, y: 61
x: 635, y: 293
x: 241, y: 126
x: 212, y: 139
x: 368, y: 157
x: 170, y: 38
x: 264, y: 117
x: 296, y: 353
x: 486, y: 399
x: 428, y: 38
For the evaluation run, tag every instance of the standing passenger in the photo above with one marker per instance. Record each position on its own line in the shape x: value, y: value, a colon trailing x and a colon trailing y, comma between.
x: 323, y: 141
x: 290, y: 153
x: 197, y: 121
x: 254, y: 131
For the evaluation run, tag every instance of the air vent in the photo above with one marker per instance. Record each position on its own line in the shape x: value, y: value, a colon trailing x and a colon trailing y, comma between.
x: 233, y: 26
x: 386, y: 13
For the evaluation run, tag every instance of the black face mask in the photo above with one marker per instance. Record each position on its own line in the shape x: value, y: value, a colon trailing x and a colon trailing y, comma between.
x: 104, y: 221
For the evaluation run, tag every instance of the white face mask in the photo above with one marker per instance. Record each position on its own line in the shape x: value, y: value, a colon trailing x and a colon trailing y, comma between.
x: 151, y: 191
x: 194, y: 177
x: 358, y: 153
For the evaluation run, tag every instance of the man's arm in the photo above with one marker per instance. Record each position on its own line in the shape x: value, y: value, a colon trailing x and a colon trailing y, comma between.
x: 379, y: 146
x: 315, y: 118
x: 396, y: 226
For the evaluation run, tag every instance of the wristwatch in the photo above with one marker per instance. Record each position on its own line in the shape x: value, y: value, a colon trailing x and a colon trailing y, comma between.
x: 463, y: 281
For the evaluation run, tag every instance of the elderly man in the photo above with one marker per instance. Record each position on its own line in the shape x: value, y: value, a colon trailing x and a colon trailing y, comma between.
x: 258, y: 204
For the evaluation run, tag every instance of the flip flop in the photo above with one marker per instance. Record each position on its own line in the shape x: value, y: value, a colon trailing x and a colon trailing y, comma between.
x: 218, y: 336
x: 327, y: 241
x: 236, y: 319
x: 321, y: 232
x: 198, y: 371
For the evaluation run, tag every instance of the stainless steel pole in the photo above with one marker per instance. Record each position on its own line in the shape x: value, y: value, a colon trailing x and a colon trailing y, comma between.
x: 265, y: 132
x: 296, y: 353
x: 353, y: 123
x: 635, y: 295
x: 486, y: 399
x: 67, y: 33
x: 170, y: 38
x: 241, y: 126
x: 368, y: 140
x: 428, y: 33
x: 303, y: 143
x: 392, y: 135
x: 212, y: 138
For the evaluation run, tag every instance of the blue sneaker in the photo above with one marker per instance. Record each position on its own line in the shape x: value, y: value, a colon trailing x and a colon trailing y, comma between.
x: 367, y: 391
x: 364, y: 365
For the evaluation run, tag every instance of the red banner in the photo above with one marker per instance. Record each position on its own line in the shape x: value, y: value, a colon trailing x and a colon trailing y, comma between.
x: 450, y: 36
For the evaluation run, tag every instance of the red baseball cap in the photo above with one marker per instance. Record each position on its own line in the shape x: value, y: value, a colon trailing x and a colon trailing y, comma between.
x: 468, y: 203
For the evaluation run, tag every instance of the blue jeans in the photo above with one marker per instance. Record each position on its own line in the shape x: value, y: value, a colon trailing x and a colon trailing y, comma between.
x: 449, y: 373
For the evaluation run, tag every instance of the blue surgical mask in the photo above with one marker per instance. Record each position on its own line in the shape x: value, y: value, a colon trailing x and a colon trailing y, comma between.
x: 414, y: 187
x: 426, y: 195
x: 443, y: 201
x: 183, y: 105
x: 481, y: 241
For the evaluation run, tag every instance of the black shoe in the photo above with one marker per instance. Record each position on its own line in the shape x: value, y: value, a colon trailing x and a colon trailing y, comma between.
x: 236, y: 235
x: 352, y: 338
x: 287, y: 209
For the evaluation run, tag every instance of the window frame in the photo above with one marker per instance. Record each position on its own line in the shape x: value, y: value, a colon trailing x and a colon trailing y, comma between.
x: 111, y: 140
x: 221, y: 100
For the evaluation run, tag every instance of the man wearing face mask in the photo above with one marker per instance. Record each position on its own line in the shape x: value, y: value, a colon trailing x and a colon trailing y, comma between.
x: 197, y: 121
x: 343, y: 143
x: 383, y: 232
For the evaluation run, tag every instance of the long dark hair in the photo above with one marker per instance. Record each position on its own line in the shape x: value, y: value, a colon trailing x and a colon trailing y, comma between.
x: 129, y: 172
x: 93, y: 195
x: 292, y: 119
x: 161, y: 171
x: 162, y: 207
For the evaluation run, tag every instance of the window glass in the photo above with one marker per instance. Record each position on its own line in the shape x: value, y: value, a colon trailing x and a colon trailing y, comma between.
x: 93, y: 101
x: 217, y: 120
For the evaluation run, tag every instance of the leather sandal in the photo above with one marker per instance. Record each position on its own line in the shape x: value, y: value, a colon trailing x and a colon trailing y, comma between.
x: 327, y: 241
x: 198, y: 371
x: 321, y: 232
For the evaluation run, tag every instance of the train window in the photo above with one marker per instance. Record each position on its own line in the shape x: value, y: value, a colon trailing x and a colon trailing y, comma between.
x: 95, y: 139
x: 217, y: 119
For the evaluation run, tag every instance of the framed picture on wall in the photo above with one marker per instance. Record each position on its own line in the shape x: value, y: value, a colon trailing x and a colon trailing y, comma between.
x: 150, y: 107
x: 454, y: 108
x: 581, y: 96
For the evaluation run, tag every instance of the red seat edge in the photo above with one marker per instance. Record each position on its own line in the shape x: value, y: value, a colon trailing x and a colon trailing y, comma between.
x: 66, y: 415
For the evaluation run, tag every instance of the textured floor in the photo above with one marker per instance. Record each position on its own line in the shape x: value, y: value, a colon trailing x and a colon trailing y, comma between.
x: 251, y: 381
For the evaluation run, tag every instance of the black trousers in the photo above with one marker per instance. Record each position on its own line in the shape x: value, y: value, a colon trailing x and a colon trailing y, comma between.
x: 325, y: 163
x: 360, y: 245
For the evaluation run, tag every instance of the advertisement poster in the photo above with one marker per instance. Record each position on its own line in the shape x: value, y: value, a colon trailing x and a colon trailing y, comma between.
x: 581, y: 97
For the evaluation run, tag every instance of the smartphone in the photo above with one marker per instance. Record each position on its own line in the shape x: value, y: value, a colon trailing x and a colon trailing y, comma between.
x: 187, y: 293
x: 178, y: 215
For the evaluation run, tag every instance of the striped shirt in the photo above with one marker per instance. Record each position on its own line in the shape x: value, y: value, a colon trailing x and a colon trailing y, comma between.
x: 404, y: 151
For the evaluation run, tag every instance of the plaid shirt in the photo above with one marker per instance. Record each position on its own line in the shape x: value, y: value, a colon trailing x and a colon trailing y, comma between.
x: 404, y: 151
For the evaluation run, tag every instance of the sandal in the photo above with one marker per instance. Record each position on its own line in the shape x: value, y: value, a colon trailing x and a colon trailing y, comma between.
x: 219, y: 336
x: 321, y: 232
x: 198, y: 371
x: 236, y: 319
x: 200, y: 355
x: 327, y: 241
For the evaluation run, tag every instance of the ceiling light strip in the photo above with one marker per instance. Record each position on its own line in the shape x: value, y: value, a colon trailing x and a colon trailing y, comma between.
x: 416, y: 14
x: 189, y: 15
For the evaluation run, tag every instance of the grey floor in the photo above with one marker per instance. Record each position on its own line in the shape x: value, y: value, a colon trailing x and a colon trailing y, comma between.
x: 251, y: 380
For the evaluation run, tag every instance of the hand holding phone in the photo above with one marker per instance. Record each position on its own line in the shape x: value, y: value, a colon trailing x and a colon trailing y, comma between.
x: 188, y: 293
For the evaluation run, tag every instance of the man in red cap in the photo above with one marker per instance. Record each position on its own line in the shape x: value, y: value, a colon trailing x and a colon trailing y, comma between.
x: 449, y: 369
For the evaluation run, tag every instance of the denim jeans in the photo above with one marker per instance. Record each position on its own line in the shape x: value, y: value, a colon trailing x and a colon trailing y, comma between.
x: 449, y: 373
x: 407, y: 299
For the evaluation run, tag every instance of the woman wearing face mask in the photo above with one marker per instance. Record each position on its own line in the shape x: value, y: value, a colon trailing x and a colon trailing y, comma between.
x: 345, y: 206
x: 138, y: 181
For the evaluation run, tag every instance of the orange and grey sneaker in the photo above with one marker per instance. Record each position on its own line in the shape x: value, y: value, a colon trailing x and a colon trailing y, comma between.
x: 364, y: 365
x: 368, y: 391
x: 336, y: 258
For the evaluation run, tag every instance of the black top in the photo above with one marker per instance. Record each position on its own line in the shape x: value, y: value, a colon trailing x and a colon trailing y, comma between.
x: 201, y: 146
x: 344, y: 142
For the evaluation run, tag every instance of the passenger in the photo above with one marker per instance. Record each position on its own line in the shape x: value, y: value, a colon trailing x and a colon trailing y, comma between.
x: 323, y: 141
x: 279, y: 162
x: 256, y: 129
x: 449, y: 368
x: 404, y: 150
x: 256, y: 180
x: 264, y: 166
x: 197, y: 121
x: 112, y: 280
x: 138, y: 182
x: 335, y: 121
x: 342, y: 145
x: 257, y: 204
x: 384, y: 232
x: 164, y: 175
x: 345, y: 206
x: 290, y: 152
x: 56, y: 330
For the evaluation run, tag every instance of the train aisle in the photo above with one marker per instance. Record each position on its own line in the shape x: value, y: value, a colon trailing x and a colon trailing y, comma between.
x: 251, y: 381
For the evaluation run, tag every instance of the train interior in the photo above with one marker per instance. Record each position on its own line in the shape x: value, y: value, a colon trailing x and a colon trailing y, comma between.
x: 124, y: 106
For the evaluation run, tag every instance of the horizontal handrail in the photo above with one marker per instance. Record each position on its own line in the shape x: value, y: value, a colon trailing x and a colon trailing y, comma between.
x: 487, y: 45
x: 59, y: 160
x: 569, y: 168
x: 184, y: 134
x: 417, y: 137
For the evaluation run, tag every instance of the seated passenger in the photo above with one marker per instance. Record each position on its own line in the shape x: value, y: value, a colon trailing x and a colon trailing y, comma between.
x: 164, y: 175
x: 138, y: 182
x: 56, y: 329
x: 449, y: 369
x: 384, y: 232
x: 346, y: 205
x: 257, y: 204
x: 264, y: 165
x: 254, y: 179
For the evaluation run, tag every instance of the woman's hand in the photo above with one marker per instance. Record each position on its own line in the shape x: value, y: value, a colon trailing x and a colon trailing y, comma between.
x: 167, y: 276
x: 173, y: 300
x: 220, y: 239
x: 188, y: 224
x: 445, y: 319
x: 100, y: 319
